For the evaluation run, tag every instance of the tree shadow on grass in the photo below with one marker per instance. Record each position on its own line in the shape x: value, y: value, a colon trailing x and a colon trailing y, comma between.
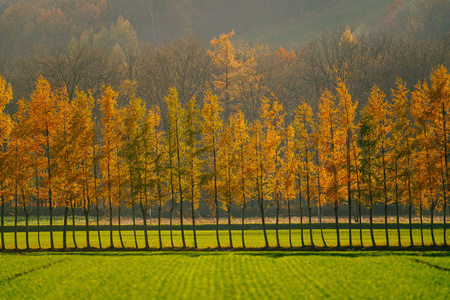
x: 261, y: 252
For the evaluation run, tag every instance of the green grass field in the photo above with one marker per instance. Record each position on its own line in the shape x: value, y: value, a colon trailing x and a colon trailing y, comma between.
x: 207, y: 238
x: 225, y: 275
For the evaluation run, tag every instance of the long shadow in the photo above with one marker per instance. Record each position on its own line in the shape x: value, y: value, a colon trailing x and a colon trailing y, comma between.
x: 271, y: 253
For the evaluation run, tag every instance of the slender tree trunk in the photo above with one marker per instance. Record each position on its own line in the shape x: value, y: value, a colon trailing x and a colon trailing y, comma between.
x: 289, y: 216
x: 277, y: 219
x: 66, y: 213
x: 159, y: 223
x: 260, y: 182
x: 446, y: 186
x: 216, y: 203
x: 244, y: 204
x: 359, y: 198
x: 397, y: 205
x: 410, y: 225
x: 371, y: 223
x: 133, y: 207
x: 243, y: 221
x: 308, y: 198
x: 193, y: 216
x: 183, y: 240
x: 349, y: 192
x: 15, y: 219
x: 50, y: 200
x: 27, y: 215
x: 73, y: 226
x: 320, y: 209
x: 98, y: 225
x: 385, y: 196
x: 86, y: 217
x: 301, y: 216
x: 27, y: 231
x: 159, y: 210
x: 371, y: 205
x: 38, y: 207
x: 261, y: 208
x: 120, y: 224
x: 120, y: 214
x: 336, y: 214
x: 229, y: 223
x: 144, y: 217
x: 86, y: 210
x: 360, y: 225
x: 134, y: 224
x: 421, y: 221
x: 311, y: 240
x: 410, y: 203
x: 432, y: 222
x: 444, y: 194
x: 3, y: 221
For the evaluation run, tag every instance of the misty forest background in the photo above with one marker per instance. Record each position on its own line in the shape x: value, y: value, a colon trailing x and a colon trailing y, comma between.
x: 159, y: 44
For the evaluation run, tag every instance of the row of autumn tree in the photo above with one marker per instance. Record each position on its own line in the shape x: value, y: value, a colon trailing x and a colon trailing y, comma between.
x: 56, y: 153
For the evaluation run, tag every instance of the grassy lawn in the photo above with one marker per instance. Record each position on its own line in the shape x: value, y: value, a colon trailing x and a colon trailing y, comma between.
x: 207, y: 238
x: 225, y: 275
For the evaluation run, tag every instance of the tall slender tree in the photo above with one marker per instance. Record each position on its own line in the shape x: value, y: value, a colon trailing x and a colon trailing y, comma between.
x: 6, y: 95
x: 304, y: 124
x: 194, y: 163
x: 176, y: 116
x: 211, y: 127
x: 44, y: 119
x: 346, y: 120
x: 108, y: 108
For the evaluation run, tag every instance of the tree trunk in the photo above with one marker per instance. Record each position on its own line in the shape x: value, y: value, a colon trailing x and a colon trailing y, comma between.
x: 159, y: 223
x: 193, y: 219
x: 15, y: 219
x: 446, y: 171
x: 349, y: 192
x: 410, y: 224
x: 120, y: 227
x: 73, y: 226
x: 397, y: 205
x: 38, y: 207
x: 3, y: 221
x: 144, y: 217
x: 215, y: 194
x: 50, y: 200
x: 432, y: 222
x: 171, y: 218
x: 360, y: 225
x: 371, y: 224
x: 444, y: 194
x: 66, y: 213
x: 243, y: 222
x: 120, y: 213
x: 27, y: 238
x: 385, y: 196
x: 336, y: 214
x: 289, y: 216
x: 134, y: 225
x: 320, y: 209
x: 310, y: 223
x: 98, y: 226
x: 277, y: 219
x: 261, y: 208
x: 86, y: 217
x: 421, y: 221
x: 229, y: 223
x: 301, y: 220
x: 27, y: 215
